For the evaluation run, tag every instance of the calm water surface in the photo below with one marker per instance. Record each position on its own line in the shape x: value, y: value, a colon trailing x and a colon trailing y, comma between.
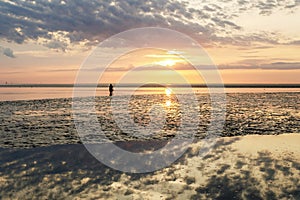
x: 31, y: 93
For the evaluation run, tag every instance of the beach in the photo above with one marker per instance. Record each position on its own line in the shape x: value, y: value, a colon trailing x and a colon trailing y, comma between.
x: 153, y: 99
x: 240, y: 167
x: 256, y: 156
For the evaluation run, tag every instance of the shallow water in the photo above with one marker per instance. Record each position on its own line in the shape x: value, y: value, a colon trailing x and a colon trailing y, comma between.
x: 32, y: 123
x: 227, y: 172
x: 33, y: 93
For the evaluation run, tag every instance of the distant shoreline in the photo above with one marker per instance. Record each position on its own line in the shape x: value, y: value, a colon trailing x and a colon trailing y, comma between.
x: 154, y: 85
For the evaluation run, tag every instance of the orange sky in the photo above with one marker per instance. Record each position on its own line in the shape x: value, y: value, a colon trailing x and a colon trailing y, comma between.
x: 47, y: 66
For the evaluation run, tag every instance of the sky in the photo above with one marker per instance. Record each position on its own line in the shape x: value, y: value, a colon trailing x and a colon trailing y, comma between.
x: 47, y: 41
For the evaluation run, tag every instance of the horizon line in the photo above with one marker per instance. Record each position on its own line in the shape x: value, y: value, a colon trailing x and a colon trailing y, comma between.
x: 229, y: 85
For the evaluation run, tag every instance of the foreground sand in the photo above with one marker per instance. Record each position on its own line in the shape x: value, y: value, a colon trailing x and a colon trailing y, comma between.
x: 244, y: 167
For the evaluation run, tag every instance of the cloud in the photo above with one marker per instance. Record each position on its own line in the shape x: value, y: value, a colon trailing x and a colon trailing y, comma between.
x: 250, y: 65
x: 283, y: 66
x: 267, y: 7
x: 296, y: 42
x: 7, y: 52
x: 225, y: 23
x: 89, y: 20
x: 267, y: 66
x: 56, y: 44
x: 184, y: 67
x: 61, y: 24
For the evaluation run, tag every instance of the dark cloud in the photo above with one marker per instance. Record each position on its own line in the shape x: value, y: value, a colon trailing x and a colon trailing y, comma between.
x: 267, y: 7
x: 283, y: 65
x: 91, y: 20
x: 209, y: 8
x: 7, y: 52
x: 58, y: 24
x: 270, y: 66
x: 296, y: 42
x: 225, y: 23
x: 55, y: 44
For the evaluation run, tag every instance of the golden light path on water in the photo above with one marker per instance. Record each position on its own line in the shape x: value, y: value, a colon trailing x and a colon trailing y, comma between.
x: 168, y: 103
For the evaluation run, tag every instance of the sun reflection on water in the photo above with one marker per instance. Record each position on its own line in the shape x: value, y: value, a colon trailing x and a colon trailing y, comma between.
x: 168, y: 103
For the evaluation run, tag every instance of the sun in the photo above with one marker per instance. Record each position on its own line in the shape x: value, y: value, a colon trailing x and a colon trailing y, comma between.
x: 166, y: 63
x: 168, y: 91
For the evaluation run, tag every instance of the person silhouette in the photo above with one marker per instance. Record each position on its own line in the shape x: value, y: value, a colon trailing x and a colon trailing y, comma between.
x: 111, y: 89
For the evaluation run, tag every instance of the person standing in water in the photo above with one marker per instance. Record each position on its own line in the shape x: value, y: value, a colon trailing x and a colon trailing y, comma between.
x: 111, y: 89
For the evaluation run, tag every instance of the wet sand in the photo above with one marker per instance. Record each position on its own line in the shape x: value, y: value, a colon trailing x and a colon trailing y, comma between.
x: 34, y: 123
x: 241, y: 167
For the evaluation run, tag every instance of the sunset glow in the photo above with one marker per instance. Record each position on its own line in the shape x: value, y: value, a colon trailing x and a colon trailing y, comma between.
x: 166, y: 63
